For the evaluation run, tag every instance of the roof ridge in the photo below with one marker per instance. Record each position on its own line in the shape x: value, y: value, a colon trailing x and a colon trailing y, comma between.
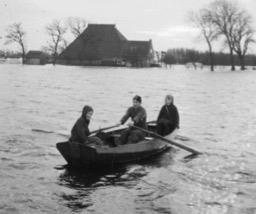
x: 112, y: 25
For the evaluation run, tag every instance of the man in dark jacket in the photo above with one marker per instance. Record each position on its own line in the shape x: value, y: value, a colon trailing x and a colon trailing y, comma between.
x: 138, y: 116
x: 168, y: 118
x: 137, y: 113
x: 80, y: 131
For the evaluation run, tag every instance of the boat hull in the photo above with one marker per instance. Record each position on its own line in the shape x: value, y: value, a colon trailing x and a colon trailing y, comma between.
x: 78, y: 155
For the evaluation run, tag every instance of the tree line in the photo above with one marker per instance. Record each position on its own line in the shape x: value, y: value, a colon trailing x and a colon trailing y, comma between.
x: 224, y: 21
x: 56, y: 31
x: 10, y: 54
x: 228, y: 22
x: 184, y: 56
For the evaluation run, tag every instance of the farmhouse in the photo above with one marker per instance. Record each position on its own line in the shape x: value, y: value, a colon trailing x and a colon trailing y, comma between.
x: 103, y: 44
x: 36, y: 58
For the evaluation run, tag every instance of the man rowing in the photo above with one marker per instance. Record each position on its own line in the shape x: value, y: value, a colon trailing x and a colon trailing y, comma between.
x: 138, y: 116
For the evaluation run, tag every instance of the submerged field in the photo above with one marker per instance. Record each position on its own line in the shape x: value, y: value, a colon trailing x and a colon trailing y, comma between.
x: 217, y: 111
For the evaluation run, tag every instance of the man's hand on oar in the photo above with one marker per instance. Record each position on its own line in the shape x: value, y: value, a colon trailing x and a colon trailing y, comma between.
x: 103, y: 129
x: 193, y: 151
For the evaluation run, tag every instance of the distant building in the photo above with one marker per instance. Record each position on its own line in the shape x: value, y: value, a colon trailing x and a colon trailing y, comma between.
x: 36, y: 58
x: 10, y: 60
x: 103, y: 44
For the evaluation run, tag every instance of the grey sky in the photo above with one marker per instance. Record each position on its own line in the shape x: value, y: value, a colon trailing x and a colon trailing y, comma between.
x: 164, y: 21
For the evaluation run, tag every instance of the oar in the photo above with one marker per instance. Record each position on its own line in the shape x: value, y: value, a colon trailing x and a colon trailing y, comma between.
x: 93, y: 132
x: 181, y: 137
x: 103, y: 129
x: 168, y: 141
x: 67, y: 136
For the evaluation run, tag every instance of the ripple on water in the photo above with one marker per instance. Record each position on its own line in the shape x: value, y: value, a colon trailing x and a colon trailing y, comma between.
x: 219, y: 116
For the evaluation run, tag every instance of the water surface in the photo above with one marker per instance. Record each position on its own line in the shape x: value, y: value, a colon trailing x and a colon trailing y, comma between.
x: 217, y: 112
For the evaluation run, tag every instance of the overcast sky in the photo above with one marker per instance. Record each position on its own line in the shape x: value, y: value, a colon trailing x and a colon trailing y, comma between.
x: 163, y: 21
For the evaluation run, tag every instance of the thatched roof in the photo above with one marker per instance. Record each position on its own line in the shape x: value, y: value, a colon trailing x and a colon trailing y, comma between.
x: 104, y: 41
x: 96, y: 42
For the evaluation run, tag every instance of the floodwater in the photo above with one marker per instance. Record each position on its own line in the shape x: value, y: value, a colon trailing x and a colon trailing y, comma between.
x: 217, y: 113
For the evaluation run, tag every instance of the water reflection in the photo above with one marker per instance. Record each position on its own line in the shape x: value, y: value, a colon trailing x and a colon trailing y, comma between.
x: 85, y: 182
x: 78, y: 178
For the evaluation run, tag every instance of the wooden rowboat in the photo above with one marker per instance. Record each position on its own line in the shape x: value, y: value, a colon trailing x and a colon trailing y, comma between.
x: 78, y: 155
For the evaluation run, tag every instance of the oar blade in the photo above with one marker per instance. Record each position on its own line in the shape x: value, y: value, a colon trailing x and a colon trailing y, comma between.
x: 193, y: 151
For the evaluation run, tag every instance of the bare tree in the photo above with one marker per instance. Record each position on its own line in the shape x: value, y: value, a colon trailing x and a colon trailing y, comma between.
x: 223, y: 14
x: 16, y: 34
x: 242, y: 36
x: 202, y: 20
x: 56, y: 31
x: 76, y: 25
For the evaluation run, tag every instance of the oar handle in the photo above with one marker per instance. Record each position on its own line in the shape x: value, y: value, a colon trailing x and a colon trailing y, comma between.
x: 114, y: 126
x: 103, y: 129
x: 169, y: 141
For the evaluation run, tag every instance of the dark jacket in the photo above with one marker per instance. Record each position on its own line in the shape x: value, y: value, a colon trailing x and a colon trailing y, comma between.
x: 80, y: 130
x: 138, y: 116
x: 169, y: 113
